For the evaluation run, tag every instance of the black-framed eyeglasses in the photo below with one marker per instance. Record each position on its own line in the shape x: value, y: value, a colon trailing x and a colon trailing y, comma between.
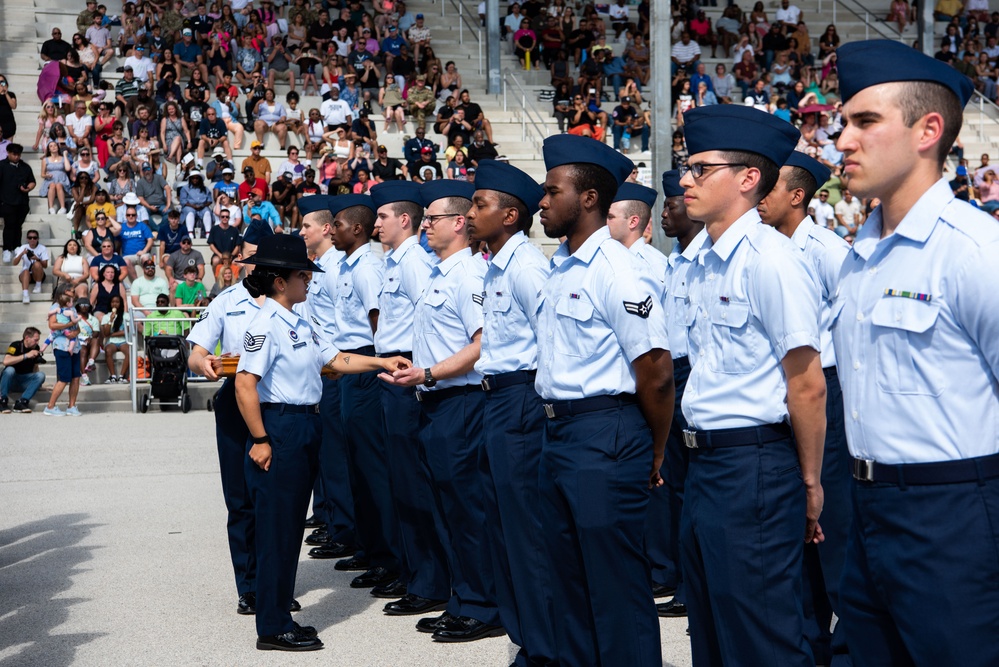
x: 130, y: 215
x: 32, y: 238
x: 431, y: 220
x: 697, y: 169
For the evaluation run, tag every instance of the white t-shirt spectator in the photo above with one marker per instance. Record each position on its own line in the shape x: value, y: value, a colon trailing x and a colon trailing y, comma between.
x: 822, y: 212
x: 334, y: 112
x: 685, y: 53
x: 78, y: 126
x: 618, y: 14
x: 41, y: 252
x: 512, y: 22
x: 141, y: 67
x: 848, y: 211
x: 789, y: 15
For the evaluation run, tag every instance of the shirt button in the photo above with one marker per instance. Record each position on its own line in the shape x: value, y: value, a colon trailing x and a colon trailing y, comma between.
x: 856, y: 365
x: 860, y: 317
x: 898, y: 317
x: 872, y: 271
x: 724, y: 316
x: 855, y: 415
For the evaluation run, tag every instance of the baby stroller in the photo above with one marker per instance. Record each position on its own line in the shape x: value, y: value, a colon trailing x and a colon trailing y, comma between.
x: 168, y: 377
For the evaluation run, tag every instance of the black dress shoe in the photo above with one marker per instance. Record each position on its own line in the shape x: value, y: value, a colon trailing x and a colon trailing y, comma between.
x: 318, y: 537
x: 672, y: 609
x: 468, y: 630
x: 376, y: 576
x: 662, y: 590
x: 333, y: 550
x: 314, y: 522
x: 390, y: 591
x: 435, y: 623
x: 247, y: 605
x: 294, y: 640
x: 306, y: 630
x: 411, y: 605
x: 295, y: 605
x: 356, y: 563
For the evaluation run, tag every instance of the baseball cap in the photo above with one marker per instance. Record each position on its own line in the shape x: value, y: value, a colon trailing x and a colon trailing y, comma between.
x: 419, y: 16
x: 146, y: 167
x: 288, y: 175
x: 128, y: 68
x: 247, y: 169
x: 255, y: 144
x: 391, y: 28
x: 426, y: 149
x: 227, y: 170
x: 187, y: 32
x: 962, y: 170
x: 218, y: 150
x: 149, y: 261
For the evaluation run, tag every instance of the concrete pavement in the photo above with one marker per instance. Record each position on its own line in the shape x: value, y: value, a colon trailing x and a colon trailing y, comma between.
x: 113, y: 552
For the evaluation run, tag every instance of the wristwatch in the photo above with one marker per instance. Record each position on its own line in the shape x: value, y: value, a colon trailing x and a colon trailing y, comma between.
x: 428, y: 378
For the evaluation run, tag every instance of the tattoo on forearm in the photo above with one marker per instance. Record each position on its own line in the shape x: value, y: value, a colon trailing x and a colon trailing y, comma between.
x: 346, y: 360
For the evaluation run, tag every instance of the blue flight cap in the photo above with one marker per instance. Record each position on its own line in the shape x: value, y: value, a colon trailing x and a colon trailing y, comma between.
x: 502, y: 177
x: 341, y: 202
x: 734, y: 127
x: 819, y: 171
x: 390, y: 192
x: 257, y: 230
x: 563, y: 149
x: 636, y: 192
x: 436, y: 189
x: 313, y: 203
x: 876, y: 61
x: 671, y: 184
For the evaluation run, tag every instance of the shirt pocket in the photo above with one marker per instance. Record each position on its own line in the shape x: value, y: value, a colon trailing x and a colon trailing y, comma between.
x: 388, y: 299
x: 577, y: 334
x: 903, y: 334
x: 736, y: 347
x: 435, y: 299
x: 497, y: 309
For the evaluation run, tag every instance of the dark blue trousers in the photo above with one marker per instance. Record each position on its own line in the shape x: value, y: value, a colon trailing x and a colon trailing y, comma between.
x: 823, y: 563
x: 280, y: 502
x: 663, y: 549
x: 423, y: 566
x: 741, y: 538
x: 921, y: 580
x: 231, y: 436
x: 334, y: 502
x: 452, y: 441
x: 594, y: 488
x: 514, y: 424
x: 370, y: 484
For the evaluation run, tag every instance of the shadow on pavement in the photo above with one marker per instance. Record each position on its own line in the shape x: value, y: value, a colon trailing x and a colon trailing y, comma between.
x: 338, y: 604
x: 37, y: 562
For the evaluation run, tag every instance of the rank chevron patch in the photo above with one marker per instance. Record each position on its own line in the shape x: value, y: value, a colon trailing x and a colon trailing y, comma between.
x: 642, y: 308
x: 253, y: 343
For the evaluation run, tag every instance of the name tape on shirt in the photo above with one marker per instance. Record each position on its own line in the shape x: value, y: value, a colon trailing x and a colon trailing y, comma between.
x: 639, y: 308
x: 253, y: 343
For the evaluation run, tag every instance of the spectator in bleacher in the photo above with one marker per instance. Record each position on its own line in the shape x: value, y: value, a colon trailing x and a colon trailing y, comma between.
x: 260, y: 208
x: 685, y: 54
x: 214, y: 167
x: 419, y: 37
x: 988, y: 192
x: 960, y: 185
x: 849, y: 214
x: 63, y: 323
x: 227, y: 111
x: 722, y: 83
x: 393, y: 105
x: 427, y: 168
x: 363, y: 130
x: 135, y: 238
x: 226, y: 184
x: 55, y: 48
x: 145, y: 288
x: 55, y: 177
x: 113, y: 326
x: 108, y: 257
x: 621, y: 117
x: 800, y: 42
x: 511, y: 22
x: 480, y: 149
x: 153, y: 192
x: 142, y: 66
x: 828, y: 42
x: 583, y: 121
x: 70, y: 267
x: 84, y: 194
x: 283, y: 199
x: 308, y: 187
x: 223, y: 240
x: 196, y: 205
x: 227, y: 278
x: 250, y: 181
x: 100, y: 223
x: 420, y: 99
x: 386, y: 168
x: 34, y: 259
x: 525, y: 44
x: 787, y: 17
x: 335, y: 112
x: 746, y: 73
x: 180, y: 260
x: 169, y: 235
x: 773, y: 42
x: 474, y: 115
x: 269, y: 116
x: 164, y: 321
x: 212, y: 133
x: 945, y: 10
x: 20, y: 372
x: 80, y: 125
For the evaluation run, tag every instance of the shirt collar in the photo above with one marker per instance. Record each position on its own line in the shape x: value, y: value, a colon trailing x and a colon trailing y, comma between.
x: 395, y: 256
x: 291, y: 318
x: 445, y: 266
x: 636, y: 247
x: 585, y: 252
x: 502, y: 259
x: 800, y: 236
x: 353, y: 257
x: 917, y: 225
x: 689, y: 253
x: 731, y: 237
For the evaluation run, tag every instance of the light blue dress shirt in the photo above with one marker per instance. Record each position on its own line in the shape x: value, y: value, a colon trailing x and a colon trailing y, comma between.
x: 679, y: 315
x: 407, y: 272
x: 753, y: 302
x: 320, y: 302
x: 512, y: 285
x: 824, y: 252
x: 916, y: 329
x: 599, y: 311
x: 280, y: 348
x: 225, y: 319
x: 448, y: 314
x: 358, y: 280
x: 658, y: 265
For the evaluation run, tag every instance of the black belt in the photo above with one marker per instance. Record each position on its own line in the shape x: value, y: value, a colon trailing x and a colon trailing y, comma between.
x: 382, y: 355
x: 736, y: 437
x: 941, y: 472
x: 288, y: 407
x: 367, y: 350
x: 680, y: 363
x: 830, y: 373
x: 583, y: 405
x: 501, y: 380
x: 439, y: 395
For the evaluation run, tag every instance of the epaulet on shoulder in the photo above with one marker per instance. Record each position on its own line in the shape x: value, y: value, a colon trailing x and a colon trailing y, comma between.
x: 977, y: 225
x: 617, y: 255
x: 765, y: 238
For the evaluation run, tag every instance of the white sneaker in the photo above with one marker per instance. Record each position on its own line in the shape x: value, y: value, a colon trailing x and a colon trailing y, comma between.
x: 7, y: 256
x: 73, y: 412
x: 90, y: 366
x: 25, y: 298
x: 85, y: 380
x: 112, y: 380
x: 54, y: 412
x: 38, y: 288
x: 52, y: 211
x: 61, y: 211
x: 69, y: 213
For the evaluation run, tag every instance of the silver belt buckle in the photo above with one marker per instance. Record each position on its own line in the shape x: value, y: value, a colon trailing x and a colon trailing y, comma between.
x: 419, y: 396
x: 486, y: 384
x: 690, y: 438
x: 863, y: 470
x: 550, y: 410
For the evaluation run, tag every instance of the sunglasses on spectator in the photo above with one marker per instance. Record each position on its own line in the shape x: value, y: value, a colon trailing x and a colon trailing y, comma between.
x: 32, y: 238
x: 84, y: 152
x: 130, y: 215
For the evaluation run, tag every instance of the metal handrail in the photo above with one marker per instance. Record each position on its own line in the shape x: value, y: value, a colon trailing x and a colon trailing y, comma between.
x: 475, y: 30
x: 527, y: 108
x: 892, y: 33
x: 131, y: 335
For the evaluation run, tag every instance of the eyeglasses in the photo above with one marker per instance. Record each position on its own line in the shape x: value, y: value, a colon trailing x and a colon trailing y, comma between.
x: 431, y: 220
x: 101, y: 217
x: 697, y: 169
x: 32, y: 238
x: 129, y: 215
x: 84, y: 153
x: 183, y: 241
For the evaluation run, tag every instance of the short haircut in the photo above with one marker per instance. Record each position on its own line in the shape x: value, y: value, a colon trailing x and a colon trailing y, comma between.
x: 915, y: 99
x: 639, y: 208
x: 584, y: 176
x: 16, y: 149
x: 323, y: 217
x: 414, y: 210
x: 769, y: 171
x: 363, y: 216
x: 173, y: 214
x: 191, y: 269
x: 524, y: 219
x: 31, y: 331
x: 800, y: 177
x: 164, y: 296
x: 457, y: 205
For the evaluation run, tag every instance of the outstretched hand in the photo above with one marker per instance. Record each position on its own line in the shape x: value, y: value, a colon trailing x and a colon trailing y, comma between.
x: 409, y: 376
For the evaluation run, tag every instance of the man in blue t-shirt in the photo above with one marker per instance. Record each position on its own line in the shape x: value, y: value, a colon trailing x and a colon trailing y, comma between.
x: 170, y: 234
x: 136, y: 240
x: 392, y: 46
x: 227, y: 185
x: 189, y: 55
